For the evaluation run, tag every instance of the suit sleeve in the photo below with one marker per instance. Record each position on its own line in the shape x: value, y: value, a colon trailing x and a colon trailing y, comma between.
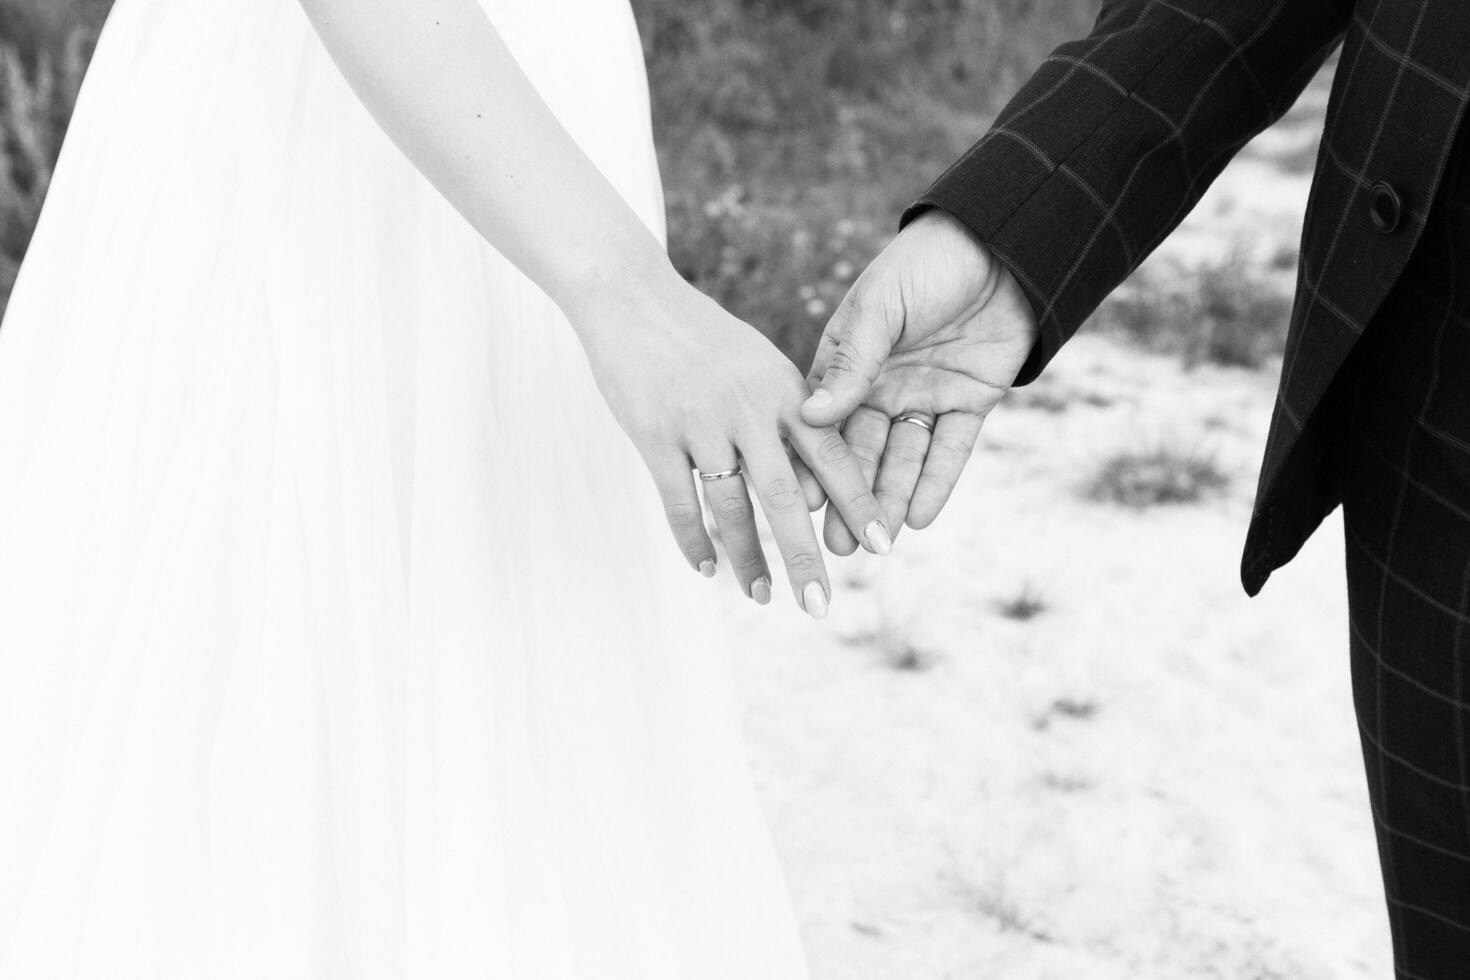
x: 1116, y: 137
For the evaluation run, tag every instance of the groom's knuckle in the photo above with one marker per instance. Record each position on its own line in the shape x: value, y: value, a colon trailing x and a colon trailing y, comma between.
x: 858, y: 299
x: 901, y: 453
x: 832, y: 448
x: 959, y: 449
x: 845, y: 359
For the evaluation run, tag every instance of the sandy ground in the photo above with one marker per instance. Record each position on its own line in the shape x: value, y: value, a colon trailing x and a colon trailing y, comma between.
x: 1152, y: 777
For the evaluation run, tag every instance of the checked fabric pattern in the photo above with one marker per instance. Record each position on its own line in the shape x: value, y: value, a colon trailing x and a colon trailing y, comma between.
x: 1406, y: 507
x: 1115, y: 138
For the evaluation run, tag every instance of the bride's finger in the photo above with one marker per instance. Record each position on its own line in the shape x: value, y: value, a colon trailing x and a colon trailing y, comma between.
x: 949, y: 450
x: 729, y: 502
x: 675, y: 485
x: 769, y: 473
x: 866, y: 432
x: 901, y: 467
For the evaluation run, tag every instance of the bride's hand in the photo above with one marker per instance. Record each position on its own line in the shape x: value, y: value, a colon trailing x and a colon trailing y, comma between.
x: 695, y: 387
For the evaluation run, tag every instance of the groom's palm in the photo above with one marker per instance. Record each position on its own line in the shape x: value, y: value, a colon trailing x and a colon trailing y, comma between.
x: 936, y: 327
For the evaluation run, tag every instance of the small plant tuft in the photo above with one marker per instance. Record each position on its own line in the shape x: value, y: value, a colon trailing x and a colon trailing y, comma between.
x: 1069, y: 708
x: 908, y: 658
x: 895, y: 646
x: 1229, y: 313
x: 1025, y: 605
x: 1062, y: 783
x: 1285, y: 257
x: 1157, y: 476
x: 1072, y: 708
x: 995, y: 902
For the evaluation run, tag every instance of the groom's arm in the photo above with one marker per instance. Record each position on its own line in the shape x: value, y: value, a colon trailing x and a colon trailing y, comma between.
x: 1098, y: 157
x: 1115, y: 138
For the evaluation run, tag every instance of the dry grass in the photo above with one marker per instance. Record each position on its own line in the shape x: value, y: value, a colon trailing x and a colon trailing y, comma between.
x: 1229, y: 313
x: 1024, y: 605
x: 1151, y: 477
x: 1066, y: 709
x: 994, y: 902
x: 893, y: 641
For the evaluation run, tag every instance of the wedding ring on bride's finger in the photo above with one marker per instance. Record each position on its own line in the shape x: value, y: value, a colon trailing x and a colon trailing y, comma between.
x: 722, y: 475
x: 922, y: 421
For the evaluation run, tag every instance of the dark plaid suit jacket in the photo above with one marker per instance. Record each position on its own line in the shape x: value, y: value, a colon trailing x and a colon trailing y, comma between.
x: 1115, y: 138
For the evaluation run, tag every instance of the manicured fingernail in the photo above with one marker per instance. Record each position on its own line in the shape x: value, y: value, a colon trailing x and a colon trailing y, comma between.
x: 814, y: 597
x: 760, y: 591
x: 820, y: 399
x: 707, y: 567
x: 878, y: 537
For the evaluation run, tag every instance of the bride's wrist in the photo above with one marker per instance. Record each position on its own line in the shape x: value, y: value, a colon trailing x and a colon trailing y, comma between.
x: 602, y: 298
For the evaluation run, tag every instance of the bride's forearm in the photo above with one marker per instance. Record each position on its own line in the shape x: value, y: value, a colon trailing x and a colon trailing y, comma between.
x: 690, y: 384
x: 440, y: 81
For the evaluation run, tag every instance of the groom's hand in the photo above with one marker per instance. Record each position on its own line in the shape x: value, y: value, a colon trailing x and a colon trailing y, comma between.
x: 935, y: 328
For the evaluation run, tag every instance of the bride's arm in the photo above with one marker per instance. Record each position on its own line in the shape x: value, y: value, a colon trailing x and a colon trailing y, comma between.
x: 441, y: 82
x: 688, y: 382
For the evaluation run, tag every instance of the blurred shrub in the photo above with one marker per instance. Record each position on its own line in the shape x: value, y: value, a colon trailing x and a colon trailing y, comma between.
x: 1162, y: 475
x: 36, y: 95
x: 791, y: 133
x: 31, y: 23
x: 1230, y: 313
x: 44, y: 49
x: 1024, y: 605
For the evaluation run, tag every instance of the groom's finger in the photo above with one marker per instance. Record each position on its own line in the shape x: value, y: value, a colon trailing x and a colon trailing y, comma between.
x: 865, y: 431
x: 860, y: 333
x: 811, y: 487
x: 825, y: 346
x: 848, y: 486
x: 949, y: 450
x: 899, y: 472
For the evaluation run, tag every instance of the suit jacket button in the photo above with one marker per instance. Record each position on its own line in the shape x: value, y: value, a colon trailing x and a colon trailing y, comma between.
x: 1385, y: 207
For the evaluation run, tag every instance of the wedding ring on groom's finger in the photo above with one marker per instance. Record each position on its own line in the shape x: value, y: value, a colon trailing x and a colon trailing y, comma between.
x: 922, y: 421
x: 721, y: 475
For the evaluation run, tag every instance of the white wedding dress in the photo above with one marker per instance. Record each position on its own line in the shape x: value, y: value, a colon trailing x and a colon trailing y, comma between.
x: 341, y: 635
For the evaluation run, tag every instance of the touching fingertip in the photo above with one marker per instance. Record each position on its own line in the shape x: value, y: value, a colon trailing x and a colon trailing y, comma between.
x: 760, y: 591
x: 819, y: 400
x: 707, y: 568
x: 814, y: 598
x: 878, y: 538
